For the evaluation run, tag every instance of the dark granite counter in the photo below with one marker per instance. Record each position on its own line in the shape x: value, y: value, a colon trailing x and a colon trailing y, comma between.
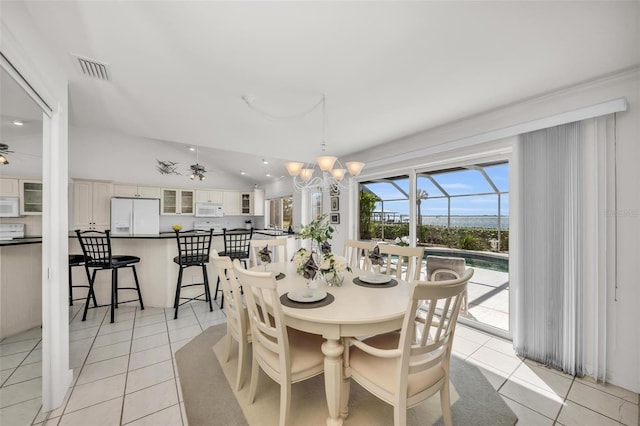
x: 21, y: 241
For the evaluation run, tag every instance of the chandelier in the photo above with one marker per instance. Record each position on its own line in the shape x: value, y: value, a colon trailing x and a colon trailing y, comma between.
x: 332, y: 172
x: 197, y: 170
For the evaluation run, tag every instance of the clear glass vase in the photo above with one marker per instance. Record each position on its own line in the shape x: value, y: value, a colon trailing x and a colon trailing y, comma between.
x: 334, y: 279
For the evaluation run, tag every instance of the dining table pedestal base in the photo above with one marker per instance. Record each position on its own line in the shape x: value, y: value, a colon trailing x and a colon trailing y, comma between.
x: 333, y: 381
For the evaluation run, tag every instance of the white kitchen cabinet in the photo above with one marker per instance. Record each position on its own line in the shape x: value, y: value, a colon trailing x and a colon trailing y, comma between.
x: 209, y: 196
x: 258, y: 202
x: 92, y: 205
x: 231, y: 203
x: 30, y: 197
x: 135, y: 191
x: 252, y: 203
x: 177, y: 201
x: 9, y: 187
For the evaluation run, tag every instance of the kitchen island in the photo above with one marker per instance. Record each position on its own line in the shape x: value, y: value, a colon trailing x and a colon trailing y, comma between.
x: 157, y: 272
x: 20, y: 285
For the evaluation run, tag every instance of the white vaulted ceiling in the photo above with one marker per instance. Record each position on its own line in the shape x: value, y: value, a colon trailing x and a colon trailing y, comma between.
x: 178, y: 69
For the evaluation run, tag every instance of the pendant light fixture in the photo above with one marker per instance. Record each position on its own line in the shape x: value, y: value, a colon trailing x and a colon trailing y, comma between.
x: 197, y: 171
x: 331, y: 173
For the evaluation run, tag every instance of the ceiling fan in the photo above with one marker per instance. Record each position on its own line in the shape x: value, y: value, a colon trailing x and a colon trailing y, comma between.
x: 4, y: 149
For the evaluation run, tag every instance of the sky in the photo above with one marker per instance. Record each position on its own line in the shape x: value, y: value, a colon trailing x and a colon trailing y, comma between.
x: 454, y: 183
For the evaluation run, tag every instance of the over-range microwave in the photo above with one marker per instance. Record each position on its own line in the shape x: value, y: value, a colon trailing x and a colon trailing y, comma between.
x: 208, y: 210
x: 9, y: 207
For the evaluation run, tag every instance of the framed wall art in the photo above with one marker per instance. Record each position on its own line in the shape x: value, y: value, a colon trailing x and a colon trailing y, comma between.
x: 335, y: 204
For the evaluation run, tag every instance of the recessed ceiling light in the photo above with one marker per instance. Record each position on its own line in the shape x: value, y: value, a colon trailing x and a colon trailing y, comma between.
x: 18, y: 123
x: 264, y: 161
x: 242, y: 173
x: 191, y: 148
x: 268, y: 175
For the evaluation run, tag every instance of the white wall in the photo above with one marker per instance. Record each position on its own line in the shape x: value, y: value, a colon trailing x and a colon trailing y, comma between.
x: 105, y: 155
x: 27, y: 49
x: 623, y: 344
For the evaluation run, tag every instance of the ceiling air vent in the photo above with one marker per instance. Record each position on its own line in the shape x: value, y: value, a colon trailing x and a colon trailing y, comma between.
x: 93, y: 68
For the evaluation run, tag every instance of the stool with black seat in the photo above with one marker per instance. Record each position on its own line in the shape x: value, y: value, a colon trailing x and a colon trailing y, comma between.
x: 96, y: 247
x: 77, y: 260
x: 236, y: 246
x: 193, y: 250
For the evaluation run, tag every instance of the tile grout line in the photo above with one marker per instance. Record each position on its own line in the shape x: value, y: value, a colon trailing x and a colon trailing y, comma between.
x: 173, y: 362
x: 84, y: 363
x: 126, y: 377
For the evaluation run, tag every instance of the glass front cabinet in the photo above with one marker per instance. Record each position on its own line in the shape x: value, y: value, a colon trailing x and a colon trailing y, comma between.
x: 30, y: 197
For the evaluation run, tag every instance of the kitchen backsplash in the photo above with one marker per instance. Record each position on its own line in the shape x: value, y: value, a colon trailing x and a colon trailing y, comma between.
x: 187, y: 222
x: 33, y: 224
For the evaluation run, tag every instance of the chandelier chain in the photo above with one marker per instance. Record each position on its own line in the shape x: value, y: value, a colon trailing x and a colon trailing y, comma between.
x: 250, y: 100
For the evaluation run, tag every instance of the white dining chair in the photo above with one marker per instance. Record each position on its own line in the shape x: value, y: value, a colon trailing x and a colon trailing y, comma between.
x: 405, y: 263
x: 357, y: 254
x: 238, y: 327
x: 286, y: 355
x: 278, y: 247
x: 406, y: 367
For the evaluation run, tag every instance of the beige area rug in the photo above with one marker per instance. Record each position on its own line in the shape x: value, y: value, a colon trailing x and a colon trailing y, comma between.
x: 210, y: 399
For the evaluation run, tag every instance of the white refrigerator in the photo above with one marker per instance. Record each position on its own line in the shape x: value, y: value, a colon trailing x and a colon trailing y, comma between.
x: 135, y: 216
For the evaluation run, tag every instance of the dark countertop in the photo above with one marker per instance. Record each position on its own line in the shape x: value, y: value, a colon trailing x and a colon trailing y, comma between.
x: 273, y: 233
x: 160, y: 236
x: 21, y: 241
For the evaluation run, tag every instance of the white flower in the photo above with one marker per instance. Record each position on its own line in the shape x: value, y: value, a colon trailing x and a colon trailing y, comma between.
x: 326, y: 262
x: 300, y: 257
x: 340, y: 264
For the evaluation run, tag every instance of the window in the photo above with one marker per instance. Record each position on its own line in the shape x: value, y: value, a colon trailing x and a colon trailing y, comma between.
x: 316, y: 204
x: 280, y: 213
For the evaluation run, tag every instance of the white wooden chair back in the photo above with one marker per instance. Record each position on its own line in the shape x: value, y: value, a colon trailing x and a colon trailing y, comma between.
x: 274, y: 345
x: 278, y: 247
x: 357, y: 254
x: 270, y: 340
x: 419, y: 354
x: 237, y: 319
x: 236, y: 313
x: 404, y: 263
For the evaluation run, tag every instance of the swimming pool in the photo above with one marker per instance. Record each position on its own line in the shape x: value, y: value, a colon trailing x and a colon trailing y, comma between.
x: 485, y: 260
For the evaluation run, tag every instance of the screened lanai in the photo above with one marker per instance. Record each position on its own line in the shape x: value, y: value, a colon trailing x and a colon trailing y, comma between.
x: 474, y: 196
x: 459, y: 212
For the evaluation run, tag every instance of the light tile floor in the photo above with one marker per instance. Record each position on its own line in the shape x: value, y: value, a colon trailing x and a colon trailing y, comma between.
x: 125, y: 373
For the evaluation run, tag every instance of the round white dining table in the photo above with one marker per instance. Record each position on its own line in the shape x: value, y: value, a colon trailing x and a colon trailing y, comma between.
x: 355, y: 311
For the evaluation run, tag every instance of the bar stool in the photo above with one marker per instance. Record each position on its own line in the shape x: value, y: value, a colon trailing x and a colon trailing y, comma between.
x: 96, y: 247
x: 193, y: 250
x: 77, y: 260
x: 236, y: 246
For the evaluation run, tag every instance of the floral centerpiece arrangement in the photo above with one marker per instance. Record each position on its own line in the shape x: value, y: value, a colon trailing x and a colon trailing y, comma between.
x: 333, y: 267
x: 318, y: 230
x: 305, y: 265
